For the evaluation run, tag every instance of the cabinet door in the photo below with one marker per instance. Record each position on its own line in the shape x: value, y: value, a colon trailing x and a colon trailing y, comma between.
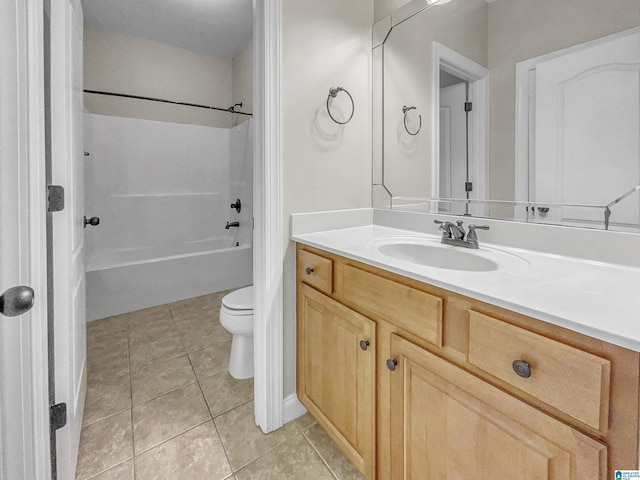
x: 449, y: 424
x: 336, y: 373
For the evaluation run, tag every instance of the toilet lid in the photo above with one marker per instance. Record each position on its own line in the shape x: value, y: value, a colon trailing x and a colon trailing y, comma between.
x: 240, y: 299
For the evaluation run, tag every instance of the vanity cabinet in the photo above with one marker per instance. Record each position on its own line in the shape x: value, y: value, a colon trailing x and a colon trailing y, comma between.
x: 447, y: 423
x: 336, y: 380
x: 451, y: 387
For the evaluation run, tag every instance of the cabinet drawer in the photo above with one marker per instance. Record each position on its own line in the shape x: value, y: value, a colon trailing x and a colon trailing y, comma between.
x: 414, y: 310
x: 571, y: 380
x: 316, y: 271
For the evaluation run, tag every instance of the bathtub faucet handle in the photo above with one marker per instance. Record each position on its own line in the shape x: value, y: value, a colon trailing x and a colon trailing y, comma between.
x: 93, y: 221
x: 237, y: 205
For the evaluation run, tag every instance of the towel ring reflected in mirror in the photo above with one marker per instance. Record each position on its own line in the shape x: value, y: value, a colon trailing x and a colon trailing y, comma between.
x: 333, y: 93
x: 405, y: 110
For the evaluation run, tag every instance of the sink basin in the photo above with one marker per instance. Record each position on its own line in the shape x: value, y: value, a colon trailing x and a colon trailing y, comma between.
x: 432, y: 253
x: 438, y: 257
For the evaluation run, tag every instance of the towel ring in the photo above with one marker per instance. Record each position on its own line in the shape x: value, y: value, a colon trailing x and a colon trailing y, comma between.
x: 333, y: 93
x: 405, y: 110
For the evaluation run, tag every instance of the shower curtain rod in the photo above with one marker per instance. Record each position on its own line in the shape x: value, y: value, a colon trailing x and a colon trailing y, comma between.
x: 138, y: 97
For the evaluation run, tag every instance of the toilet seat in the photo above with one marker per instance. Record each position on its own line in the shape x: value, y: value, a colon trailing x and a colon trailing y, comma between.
x: 238, y: 301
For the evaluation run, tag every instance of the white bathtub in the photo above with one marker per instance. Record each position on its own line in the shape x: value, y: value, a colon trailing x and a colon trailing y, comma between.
x: 122, y: 281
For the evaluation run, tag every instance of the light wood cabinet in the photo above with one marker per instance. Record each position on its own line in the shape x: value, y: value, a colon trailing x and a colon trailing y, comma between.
x: 447, y: 423
x: 336, y: 380
x: 436, y: 394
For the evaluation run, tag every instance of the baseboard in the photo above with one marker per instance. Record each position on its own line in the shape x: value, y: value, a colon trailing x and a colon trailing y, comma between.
x: 293, y: 408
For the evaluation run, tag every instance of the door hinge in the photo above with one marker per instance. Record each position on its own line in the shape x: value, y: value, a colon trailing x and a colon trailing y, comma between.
x: 57, y: 416
x: 468, y: 106
x: 55, y: 198
x: 468, y: 186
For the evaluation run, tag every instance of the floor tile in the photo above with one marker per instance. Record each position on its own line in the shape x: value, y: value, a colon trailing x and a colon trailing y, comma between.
x: 332, y: 455
x: 196, y: 454
x: 157, y: 351
x: 294, y: 459
x: 243, y: 440
x: 107, y: 345
x: 205, y: 336
x: 124, y: 471
x: 151, y: 381
x: 211, y: 360
x: 223, y: 392
x: 143, y: 320
x: 104, y: 444
x: 305, y: 421
x: 109, y: 325
x: 106, y: 398
x: 110, y: 366
x: 152, y: 333
x: 167, y: 416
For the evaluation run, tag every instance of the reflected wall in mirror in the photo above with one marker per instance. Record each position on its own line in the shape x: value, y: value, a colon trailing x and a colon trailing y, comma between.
x: 528, y: 109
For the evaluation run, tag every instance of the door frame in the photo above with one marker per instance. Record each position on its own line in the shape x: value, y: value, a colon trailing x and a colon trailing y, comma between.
x: 477, y: 77
x: 525, y: 112
x: 28, y: 445
x: 268, y: 238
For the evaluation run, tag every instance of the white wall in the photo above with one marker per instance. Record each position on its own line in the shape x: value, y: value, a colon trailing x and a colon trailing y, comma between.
x: 154, y: 183
x: 325, y: 166
x: 121, y: 63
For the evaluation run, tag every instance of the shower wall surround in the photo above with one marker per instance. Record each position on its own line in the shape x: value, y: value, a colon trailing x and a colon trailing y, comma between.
x: 163, y: 192
x: 155, y: 183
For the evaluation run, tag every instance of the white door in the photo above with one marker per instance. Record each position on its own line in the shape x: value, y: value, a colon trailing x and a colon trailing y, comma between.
x: 453, y: 145
x: 24, y: 402
x: 587, y: 131
x: 68, y: 244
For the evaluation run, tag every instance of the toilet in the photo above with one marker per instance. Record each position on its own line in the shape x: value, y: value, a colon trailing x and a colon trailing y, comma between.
x: 236, y: 316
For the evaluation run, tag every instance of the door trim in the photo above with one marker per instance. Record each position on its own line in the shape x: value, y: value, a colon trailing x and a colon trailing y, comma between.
x: 268, y: 247
x: 478, y: 78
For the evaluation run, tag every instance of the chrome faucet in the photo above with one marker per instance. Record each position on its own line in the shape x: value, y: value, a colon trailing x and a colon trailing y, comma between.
x: 232, y: 224
x: 453, y: 234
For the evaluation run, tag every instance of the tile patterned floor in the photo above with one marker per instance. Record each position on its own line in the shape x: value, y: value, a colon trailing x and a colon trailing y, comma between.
x: 161, y: 405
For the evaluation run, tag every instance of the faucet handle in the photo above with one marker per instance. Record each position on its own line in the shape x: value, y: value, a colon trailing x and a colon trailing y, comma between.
x: 472, y: 231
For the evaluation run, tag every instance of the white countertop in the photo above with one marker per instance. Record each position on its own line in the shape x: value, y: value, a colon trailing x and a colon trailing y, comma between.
x: 597, y: 299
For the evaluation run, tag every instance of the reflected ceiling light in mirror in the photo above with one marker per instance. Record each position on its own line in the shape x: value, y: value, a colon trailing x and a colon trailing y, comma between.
x: 437, y: 2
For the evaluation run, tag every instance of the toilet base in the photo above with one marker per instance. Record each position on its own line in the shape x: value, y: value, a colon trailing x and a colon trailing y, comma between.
x: 241, y: 358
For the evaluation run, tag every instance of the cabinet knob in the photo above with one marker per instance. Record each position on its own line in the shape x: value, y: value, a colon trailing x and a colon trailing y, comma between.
x: 309, y: 270
x: 364, y: 344
x: 522, y: 368
x: 391, y: 364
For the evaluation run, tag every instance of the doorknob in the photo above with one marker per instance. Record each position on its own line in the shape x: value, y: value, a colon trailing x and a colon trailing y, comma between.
x: 16, y: 301
x: 93, y: 221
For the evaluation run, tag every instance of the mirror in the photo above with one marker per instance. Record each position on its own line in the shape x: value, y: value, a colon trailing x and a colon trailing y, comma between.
x: 514, y: 109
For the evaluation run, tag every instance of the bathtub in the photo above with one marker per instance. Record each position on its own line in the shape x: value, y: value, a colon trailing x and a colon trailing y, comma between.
x: 122, y: 281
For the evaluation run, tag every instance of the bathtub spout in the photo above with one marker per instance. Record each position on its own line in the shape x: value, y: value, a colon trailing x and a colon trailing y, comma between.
x: 232, y: 224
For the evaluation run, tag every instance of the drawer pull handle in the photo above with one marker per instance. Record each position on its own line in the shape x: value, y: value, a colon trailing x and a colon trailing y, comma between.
x: 364, y: 344
x: 309, y: 270
x: 522, y: 368
x: 391, y: 364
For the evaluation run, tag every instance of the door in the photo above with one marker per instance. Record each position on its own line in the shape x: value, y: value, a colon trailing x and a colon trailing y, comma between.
x: 453, y: 145
x: 336, y: 373
x: 587, y: 131
x: 24, y: 401
x: 68, y: 242
x: 449, y: 424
